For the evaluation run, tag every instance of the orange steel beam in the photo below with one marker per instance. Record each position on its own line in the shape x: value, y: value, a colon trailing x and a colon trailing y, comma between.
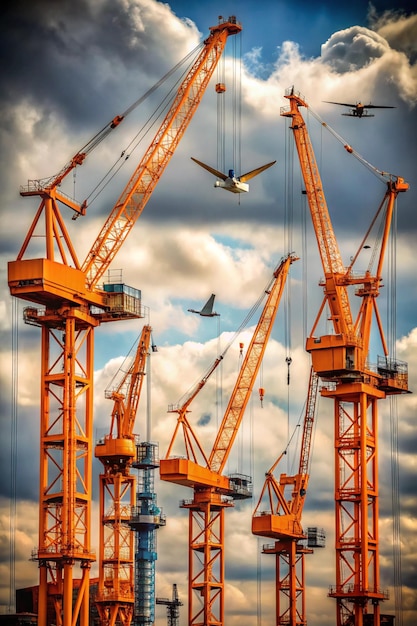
x: 356, y: 504
x: 206, y: 565
x: 115, y: 595
x: 65, y: 468
x: 290, y: 606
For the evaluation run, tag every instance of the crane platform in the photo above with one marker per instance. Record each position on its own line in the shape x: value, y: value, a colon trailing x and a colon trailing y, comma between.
x: 189, y: 474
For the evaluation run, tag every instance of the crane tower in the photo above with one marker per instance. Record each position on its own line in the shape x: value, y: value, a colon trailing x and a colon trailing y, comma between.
x: 355, y: 385
x: 116, y: 451
x: 146, y: 518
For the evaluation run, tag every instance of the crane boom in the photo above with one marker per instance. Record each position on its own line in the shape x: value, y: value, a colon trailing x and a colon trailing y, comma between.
x: 313, y: 386
x: 147, y: 174
x: 248, y: 372
x: 127, y: 394
x: 328, y: 248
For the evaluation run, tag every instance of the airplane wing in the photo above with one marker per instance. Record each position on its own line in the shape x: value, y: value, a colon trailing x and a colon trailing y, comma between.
x: 376, y: 106
x: 343, y: 104
x: 210, y: 169
x: 365, y: 115
x: 253, y: 173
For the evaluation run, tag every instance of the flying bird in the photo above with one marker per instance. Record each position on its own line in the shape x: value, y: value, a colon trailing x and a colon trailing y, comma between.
x: 359, y: 109
x: 207, y: 310
x: 230, y: 182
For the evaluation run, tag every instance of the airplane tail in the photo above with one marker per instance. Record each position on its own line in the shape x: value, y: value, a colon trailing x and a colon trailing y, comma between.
x: 207, y: 310
x: 208, y: 307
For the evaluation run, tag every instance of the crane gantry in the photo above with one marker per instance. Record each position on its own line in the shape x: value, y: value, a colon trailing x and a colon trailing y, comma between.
x: 341, y: 359
x: 72, y: 306
x: 281, y: 520
x: 213, y: 492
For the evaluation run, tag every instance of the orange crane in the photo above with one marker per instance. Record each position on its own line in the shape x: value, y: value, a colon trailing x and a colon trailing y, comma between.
x: 342, y: 361
x: 281, y: 520
x: 117, y: 451
x: 213, y: 491
x: 73, y: 305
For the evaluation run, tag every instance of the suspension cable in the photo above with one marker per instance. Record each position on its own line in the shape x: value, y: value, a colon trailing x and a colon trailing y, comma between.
x: 79, y: 157
x: 142, y: 133
x: 385, y: 176
x: 394, y: 457
x: 288, y: 239
x: 221, y: 107
x: 13, y: 455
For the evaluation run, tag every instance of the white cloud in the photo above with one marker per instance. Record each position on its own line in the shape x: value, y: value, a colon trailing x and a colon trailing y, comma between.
x: 193, y: 240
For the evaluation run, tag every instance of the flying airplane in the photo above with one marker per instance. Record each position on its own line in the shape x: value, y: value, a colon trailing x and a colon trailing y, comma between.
x: 207, y: 310
x: 359, y: 109
x: 230, y: 182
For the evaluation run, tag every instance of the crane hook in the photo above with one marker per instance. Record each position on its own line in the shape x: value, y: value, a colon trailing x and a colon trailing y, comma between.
x: 261, y: 396
x: 288, y: 361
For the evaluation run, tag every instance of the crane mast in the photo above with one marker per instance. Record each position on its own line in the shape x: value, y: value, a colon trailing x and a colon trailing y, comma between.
x: 71, y: 307
x: 116, y: 451
x: 281, y: 520
x: 342, y: 361
x: 213, y: 491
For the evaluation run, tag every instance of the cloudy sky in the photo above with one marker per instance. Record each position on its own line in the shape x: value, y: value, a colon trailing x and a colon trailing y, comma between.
x: 68, y: 68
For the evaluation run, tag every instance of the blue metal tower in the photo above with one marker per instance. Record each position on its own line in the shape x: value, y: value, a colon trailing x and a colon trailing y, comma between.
x: 146, y: 518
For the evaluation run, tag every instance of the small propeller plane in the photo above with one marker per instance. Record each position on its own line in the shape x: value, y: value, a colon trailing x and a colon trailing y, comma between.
x: 207, y: 310
x: 230, y: 182
x: 359, y: 109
